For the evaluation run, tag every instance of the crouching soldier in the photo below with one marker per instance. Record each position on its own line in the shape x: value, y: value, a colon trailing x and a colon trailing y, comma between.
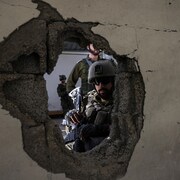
x: 93, y: 124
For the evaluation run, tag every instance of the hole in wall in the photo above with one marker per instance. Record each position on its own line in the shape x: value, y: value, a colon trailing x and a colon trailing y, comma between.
x: 23, y: 93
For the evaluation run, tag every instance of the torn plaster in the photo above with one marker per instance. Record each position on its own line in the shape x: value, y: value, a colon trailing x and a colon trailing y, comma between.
x: 127, y: 43
x: 150, y: 14
x: 15, y: 18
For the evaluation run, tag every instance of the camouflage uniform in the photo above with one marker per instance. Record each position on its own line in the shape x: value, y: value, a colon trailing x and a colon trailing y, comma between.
x: 66, y: 101
x: 97, y: 114
x: 80, y: 70
x: 94, y: 124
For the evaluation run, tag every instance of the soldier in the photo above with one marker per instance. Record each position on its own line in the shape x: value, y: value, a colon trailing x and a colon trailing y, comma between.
x: 66, y: 101
x: 80, y: 70
x: 93, y: 125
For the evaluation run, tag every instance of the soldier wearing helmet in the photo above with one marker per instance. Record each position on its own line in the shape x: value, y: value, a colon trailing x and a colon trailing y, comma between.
x: 62, y: 77
x: 94, y: 124
x: 66, y: 101
x: 101, y: 75
x: 80, y: 70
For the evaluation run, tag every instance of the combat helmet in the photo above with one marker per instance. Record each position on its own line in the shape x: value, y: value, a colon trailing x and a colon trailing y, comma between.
x: 62, y: 77
x: 101, y: 68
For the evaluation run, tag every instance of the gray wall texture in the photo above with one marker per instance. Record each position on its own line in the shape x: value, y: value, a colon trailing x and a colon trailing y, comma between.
x: 143, y: 36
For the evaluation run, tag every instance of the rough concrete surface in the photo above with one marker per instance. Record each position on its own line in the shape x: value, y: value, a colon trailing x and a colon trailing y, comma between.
x: 143, y: 37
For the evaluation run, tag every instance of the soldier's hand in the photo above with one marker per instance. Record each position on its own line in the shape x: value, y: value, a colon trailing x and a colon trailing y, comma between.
x: 73, y: 116
x: 87, y: 131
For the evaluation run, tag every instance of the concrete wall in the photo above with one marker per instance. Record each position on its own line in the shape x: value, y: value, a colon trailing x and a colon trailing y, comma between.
x: 148, y: 30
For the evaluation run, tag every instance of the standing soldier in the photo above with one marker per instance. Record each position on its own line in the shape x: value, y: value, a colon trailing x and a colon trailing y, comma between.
x: 66, y: 101
x: 80, y: 70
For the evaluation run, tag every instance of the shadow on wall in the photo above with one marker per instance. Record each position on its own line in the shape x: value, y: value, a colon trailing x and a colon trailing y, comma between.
x: 23, y: 62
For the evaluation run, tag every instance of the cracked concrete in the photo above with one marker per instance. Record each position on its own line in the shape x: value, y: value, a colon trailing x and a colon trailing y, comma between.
x: 14, y: 5
x: 156, y: 155
x: 23, y: 62
x: 141, y: 27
